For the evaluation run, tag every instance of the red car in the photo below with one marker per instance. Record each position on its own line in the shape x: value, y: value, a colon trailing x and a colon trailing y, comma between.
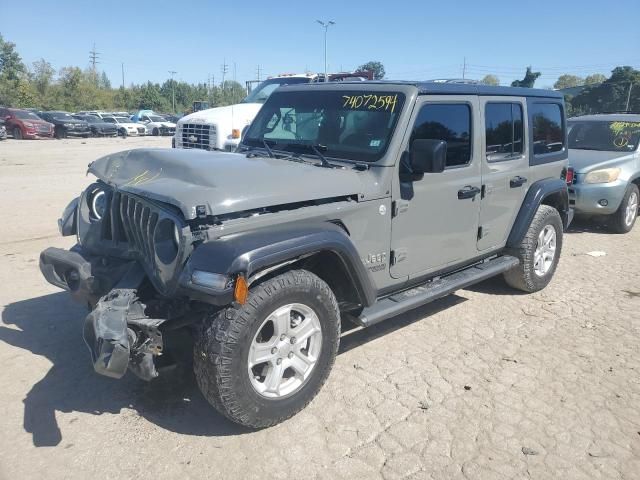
x: 24, y: 124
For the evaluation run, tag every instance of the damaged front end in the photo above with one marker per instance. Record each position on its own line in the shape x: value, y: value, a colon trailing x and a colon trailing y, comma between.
x: 120, y: 336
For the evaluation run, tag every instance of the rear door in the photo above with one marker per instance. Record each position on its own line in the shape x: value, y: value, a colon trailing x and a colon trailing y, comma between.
x: 505, y: 168
x: 435, y: 218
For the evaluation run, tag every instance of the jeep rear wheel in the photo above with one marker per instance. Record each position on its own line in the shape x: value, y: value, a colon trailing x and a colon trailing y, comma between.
x: 538, y: 252
x: 625, y: 218
x: 262, y: 362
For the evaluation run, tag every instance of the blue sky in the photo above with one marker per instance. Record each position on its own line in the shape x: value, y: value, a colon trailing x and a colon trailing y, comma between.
x: 414, y: 39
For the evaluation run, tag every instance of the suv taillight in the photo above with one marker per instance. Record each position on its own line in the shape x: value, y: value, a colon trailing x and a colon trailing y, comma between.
x: 569, y: 176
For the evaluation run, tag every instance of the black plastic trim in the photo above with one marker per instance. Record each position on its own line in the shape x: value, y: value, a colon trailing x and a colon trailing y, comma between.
x: 536, y: 194
x: 249, y: 252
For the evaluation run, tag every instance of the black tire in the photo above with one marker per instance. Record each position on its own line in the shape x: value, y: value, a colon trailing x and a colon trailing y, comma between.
x: 155, y: 132
x: 17, y: 133
x: 619, y: 222
x: 524, y: 277
x: 123, y: 132
x: 60, y: 133
x: 222, y: 348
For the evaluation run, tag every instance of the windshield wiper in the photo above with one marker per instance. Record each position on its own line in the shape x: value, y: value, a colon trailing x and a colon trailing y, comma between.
x: 317, y: 149
x: 265, y: 142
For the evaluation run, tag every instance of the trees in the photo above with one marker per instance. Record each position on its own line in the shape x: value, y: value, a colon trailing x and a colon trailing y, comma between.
x: 528, y: 81
x: 567, y: 81
x: 12, y: 72
x: 490, y: 80
x: 376, y: 67
x: 619, y: 92
x: 594, y: 79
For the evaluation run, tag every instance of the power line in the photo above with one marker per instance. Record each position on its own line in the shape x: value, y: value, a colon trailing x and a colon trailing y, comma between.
x: 93, y: 58
x: 224, y: 68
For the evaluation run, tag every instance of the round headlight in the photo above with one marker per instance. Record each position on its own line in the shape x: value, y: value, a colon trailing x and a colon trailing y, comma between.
x: 98, y: 204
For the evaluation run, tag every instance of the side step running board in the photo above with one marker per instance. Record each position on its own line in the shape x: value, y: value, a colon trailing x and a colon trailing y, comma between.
x: 409, y: 299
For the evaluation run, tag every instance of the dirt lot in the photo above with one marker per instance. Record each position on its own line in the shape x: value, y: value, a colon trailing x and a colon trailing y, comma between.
x: 483, y: 384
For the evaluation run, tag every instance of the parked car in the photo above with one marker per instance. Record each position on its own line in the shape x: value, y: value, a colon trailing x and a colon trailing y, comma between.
x: 605, y: 158
x: 171, y: 117
x: 3, y: 130
x: 126, y: 126
x: 23, y: 124
x: 98, y: 127
x: 157, y: 125
x: 221, y: 128
x: 65, y: 125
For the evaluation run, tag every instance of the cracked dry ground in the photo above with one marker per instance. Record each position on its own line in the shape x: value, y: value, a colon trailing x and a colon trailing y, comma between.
x: 482, y: 384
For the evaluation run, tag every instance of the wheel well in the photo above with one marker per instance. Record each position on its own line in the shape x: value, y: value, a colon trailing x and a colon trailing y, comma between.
x: 557, y: 201
x: 329, y: 267
x: 636, y: 181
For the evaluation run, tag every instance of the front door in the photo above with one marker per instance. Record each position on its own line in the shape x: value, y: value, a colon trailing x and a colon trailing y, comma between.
x: 435, y: 222
x: 504, y: 168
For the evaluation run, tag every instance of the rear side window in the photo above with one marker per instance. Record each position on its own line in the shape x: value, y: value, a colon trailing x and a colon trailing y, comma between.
x: 548, y: 133
x: 504, y: 132
x: 448, y: 122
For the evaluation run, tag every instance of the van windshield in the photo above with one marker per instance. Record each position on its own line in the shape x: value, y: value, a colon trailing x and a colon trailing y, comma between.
x: 605, y: 136
x: 266, y: 88
x: 350, y: 125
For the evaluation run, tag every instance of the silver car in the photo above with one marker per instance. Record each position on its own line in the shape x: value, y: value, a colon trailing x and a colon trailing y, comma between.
x: 604, y: 156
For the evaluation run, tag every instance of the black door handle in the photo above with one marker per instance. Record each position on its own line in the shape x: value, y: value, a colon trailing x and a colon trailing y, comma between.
x: 468, y: 192
x: 518, y: 181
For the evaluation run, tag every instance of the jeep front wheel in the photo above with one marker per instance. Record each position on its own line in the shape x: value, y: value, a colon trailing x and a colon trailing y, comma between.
x: 538, y: 252
x: 262, y: 362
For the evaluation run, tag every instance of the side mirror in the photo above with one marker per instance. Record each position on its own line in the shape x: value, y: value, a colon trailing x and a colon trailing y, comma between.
x: 428, y: 156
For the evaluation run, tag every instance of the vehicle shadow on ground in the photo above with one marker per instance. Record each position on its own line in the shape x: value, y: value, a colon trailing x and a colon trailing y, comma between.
x: 51, y: 326
x: 589, y: 225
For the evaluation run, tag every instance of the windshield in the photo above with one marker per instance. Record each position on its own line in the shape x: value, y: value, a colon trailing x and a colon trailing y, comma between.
x: 608, y: 136
x: 353, y: 125
x: 122, y: 120
x: 22, y: 115
x: 266, y: 88
x: 155, y: 118
x: 92, y: 119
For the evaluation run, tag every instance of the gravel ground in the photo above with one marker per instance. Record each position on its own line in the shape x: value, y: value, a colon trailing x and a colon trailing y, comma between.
x: 482, y: 384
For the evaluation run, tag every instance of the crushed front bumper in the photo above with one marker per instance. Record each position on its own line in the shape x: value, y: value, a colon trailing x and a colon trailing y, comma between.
x: 117, y: 331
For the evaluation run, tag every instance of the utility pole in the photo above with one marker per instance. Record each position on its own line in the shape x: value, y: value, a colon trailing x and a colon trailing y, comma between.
x: 122, y: 75
x: 224, y: 68
x: 93, y: 59
x: 173, y: 90
x: 464, y: 67
x: 629, y: 97
x: 326, y: 26
x: 258, y: 73
x: 234, y: 71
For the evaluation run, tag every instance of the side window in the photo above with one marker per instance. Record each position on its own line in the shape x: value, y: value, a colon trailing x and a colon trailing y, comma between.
x: 448, y: 122
x: 504, y: 132
x: 548, y: 135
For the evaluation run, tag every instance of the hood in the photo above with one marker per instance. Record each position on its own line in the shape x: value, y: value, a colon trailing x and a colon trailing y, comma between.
x: 239, y: 114
x: 222, y: 182
x: 585, y: 160
x: 35, y: 122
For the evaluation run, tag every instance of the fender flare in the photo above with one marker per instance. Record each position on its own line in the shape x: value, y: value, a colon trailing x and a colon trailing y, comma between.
x: 248, y: 253
x: 535, y: 197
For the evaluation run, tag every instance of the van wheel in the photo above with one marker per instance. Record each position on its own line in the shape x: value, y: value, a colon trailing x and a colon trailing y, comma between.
x: 625, y: 218
x: 262, y: 362
x: 17, y: 133
x: 538, y: 252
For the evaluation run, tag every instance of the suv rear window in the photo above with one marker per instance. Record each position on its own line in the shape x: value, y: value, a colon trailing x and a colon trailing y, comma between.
x: 448, y: 122
x: 504, y: 132
x: 548, y: 133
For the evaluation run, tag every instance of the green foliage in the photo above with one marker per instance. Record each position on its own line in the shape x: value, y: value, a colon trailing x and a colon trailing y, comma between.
x: 611, y: 95
x: 567, y: 81
x: 490, y: 80
x: 594, y: 79
x: 528, y: 81
x: 376, y: 67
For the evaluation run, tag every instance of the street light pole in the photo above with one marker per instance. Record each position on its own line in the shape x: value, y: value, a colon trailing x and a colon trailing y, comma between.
x: 173, y: 90
x: 326, y: 26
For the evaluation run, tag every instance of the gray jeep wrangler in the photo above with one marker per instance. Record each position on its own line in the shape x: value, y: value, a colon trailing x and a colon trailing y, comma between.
x: 351, y: 201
